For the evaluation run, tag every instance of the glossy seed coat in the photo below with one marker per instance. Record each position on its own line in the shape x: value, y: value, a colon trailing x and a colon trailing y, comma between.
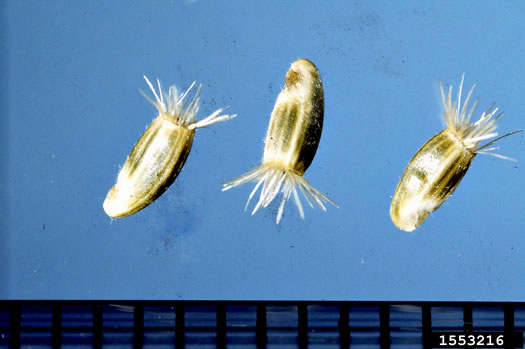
x: 437, y: 168
x: 160, y: 153
x: 291, y: 142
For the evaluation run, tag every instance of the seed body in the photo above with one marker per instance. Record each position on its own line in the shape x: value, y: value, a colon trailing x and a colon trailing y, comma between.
x: 297, y: 120
x: 429, y: 179
x: 150, y: 168
x: 291, y: 142
x: 437, y: 168
x: 160, y: 153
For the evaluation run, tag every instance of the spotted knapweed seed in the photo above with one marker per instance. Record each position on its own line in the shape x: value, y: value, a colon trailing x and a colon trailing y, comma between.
x: 437, y: 168
x: 160, y: 153
x: 291, y: 142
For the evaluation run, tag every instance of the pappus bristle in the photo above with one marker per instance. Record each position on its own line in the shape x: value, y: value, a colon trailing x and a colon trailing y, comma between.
x: 274, y: 181
x: 177, y: 109
x: 470, y: 134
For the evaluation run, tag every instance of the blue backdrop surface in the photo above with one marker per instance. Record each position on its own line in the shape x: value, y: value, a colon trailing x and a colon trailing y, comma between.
x: 74, y: 113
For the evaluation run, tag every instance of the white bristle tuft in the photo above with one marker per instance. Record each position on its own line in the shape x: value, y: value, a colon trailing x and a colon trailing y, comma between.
x: 177, y: 108
x: 458, y: 118
x: 274, y: 181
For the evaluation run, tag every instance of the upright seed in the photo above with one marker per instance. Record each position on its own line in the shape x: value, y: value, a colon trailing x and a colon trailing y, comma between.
x: 291, y: 142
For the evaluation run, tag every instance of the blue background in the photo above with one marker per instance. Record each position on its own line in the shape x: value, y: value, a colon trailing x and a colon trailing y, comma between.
x: 72, y: 113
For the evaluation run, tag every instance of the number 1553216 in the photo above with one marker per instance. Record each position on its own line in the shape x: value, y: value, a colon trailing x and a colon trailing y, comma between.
x: 476, y: 339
